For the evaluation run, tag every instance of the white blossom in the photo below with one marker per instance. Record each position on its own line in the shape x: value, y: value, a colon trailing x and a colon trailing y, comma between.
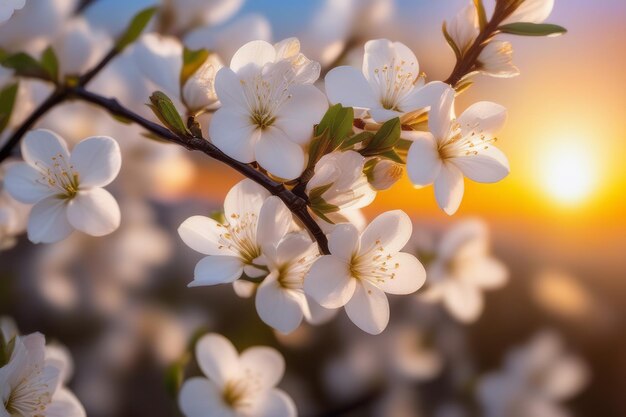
x: 535, y: 380
x: 79, y: 47
x: 463, y: 269
x: 32, y: 380
x: 66, y: 190
x: 383, y: 173
x: 363, y: 267
x: 533, y: 11
x: 268, y: 108
x: 457, y: 147
x: 13, y: 214
x: 496, y: 59
x: 340, y: 175
x: 235, y: 384
x: 389, y: 85
x: 253, y: 219
x: 8, y: 7
x: 463, y: 28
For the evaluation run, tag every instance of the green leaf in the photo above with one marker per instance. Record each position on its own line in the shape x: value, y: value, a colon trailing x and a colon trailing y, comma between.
x: 192, y: 60
x: 7, y: 100
x: 164, y: 109
x: 317, y: 192
x: 453, y: 45
x: 25, y: 65
x: 356, y: 139
x: 338, y: 120
x: 482, y: 14
x: 134, y: 29
x: 462, y: 86
x: 50, y: 63
x: 532, y: 29
x: 392, y: 155
x: 385, y: 139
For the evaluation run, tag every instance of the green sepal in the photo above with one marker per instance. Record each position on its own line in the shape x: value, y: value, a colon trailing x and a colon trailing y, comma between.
x: 50, y: 63
x: 25, y: 65
x: 453, y: 45
x: 482, y: 14
x: 384, y: 140
x: 356, y: 139
x: 338, y: 121
x: 165, y: 110
x: 192, y: 60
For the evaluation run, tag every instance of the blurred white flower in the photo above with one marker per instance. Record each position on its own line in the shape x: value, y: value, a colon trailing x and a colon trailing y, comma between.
x: 237, y: 384
x: 457, y: 147
x: 114, y: 16
x: 66, y: 190
x: 280, y: 299
x: 382, y: 173
x: 411, y: 354
x: 32, y: 379
x: 185, y: 14
x: 225, y: 40
x: 253, y: 217
x: 462, y: 269
x: 340, y: 175
x: 8, y: 7
x: 13, y: 214
x: 533, y: 11
x: 463, y: 28
x: 80, y: 46
x: 536, y: 378
x: 160, y: 59
x: 497, y: 60
x: 268, y: 108
x: 362, y: 268
x: 389, y: 85
x: 38, y: 20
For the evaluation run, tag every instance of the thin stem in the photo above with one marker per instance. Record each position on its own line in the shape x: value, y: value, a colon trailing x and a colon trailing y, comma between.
x: 296, y: 204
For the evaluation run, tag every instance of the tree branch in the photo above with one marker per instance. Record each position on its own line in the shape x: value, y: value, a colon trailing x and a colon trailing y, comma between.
x: 296, y: 204
x: 467, y: 63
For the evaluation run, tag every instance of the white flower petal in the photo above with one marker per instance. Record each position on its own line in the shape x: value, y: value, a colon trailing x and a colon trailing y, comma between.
x: 348, y: 86
x: 274, y: 221
x: 390, y: 230
x: 381, y: 115
x: 253, y: 55
x: 317, y: 314
x: 265, y: 364
x: 279, y: 155
x: 463, y: 300
x: 279, y: 307
x: 423, y: 162
x: 485, y: 272
x: 160, y: 59
x: 378, y: 53
x: 343, y: 241
x: 232, y: 132
x: 483, y: 117
x: 295, y: 245
x: 97, y: 160
x: 200, y: 397
x: 441, y: 115
x: 298, y: 114
x: 565, y: 378
x: 369, y: 308
x: 228, y: 89
x: 276, y: 403
x: 488, y: 166
x: 64, y: 404
x: 217, y: 358
x: 427, y: 96
x: 94, y: 212
x: 48, y: 221
x: 329, y: 282
x: 409, y: 275
x: 213, y: 270
x: 449, y: 188
x: 202, y: 234
x: 533, y: 11
x: 246, y: 197
x: 41, y: 145
x: 25, y: 184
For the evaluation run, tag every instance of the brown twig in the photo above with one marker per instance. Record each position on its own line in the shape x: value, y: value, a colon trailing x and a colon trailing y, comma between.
x: 296, y: 204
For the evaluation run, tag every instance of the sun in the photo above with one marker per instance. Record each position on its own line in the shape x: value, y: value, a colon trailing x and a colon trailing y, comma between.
x: 568, y: 173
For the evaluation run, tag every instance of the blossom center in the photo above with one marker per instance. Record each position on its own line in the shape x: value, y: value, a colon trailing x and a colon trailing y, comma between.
x: 59, y: 175
x: 239, y: 235
x: 31, y: 397
x: 394, y: 80
x: 376, y: 265
x: 291, y: 275
x: 458, y: 143
x: 236, y: 393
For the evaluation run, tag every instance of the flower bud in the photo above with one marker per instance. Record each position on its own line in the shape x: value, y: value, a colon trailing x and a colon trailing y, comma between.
x: 199, y: 90
x: 382, y: 173
x: 497, y: 60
